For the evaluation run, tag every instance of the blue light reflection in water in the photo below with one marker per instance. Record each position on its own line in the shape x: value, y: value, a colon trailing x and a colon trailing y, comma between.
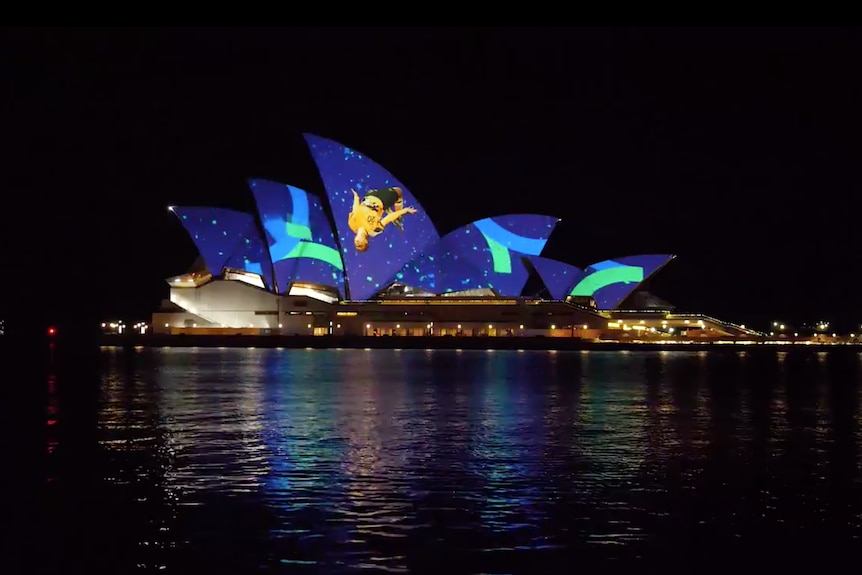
x: 467, y: 462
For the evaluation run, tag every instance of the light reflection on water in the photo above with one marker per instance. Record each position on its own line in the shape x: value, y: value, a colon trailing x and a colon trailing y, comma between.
x: 329, y: 461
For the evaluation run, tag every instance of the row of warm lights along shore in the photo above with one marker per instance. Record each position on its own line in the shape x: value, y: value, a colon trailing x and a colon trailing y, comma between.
x: 120, y: 328
x: 781, y: 333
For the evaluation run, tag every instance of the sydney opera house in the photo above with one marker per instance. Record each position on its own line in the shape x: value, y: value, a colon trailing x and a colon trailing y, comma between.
x: 369, y: 261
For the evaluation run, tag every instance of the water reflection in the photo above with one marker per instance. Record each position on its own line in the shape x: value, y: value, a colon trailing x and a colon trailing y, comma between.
x: 403, y: 461
x: 51, y: 422
x: 304, y: 449
x: 211, y: 409
x: 377, y: 461
x: 136, y: 459
x: 506, y: 448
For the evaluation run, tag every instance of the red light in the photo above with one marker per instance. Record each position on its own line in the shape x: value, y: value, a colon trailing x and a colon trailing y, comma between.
x: 52, y: 331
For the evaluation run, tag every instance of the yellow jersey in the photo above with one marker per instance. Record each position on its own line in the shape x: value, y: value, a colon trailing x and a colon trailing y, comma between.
x: 366, y: 218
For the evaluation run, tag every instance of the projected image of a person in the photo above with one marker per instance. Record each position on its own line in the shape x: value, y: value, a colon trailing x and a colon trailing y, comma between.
x: 370, y: 215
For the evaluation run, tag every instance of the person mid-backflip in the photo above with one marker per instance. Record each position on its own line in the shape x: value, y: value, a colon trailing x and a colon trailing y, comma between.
x: 366, y: 218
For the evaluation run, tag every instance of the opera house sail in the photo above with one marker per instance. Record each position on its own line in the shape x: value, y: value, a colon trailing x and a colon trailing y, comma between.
x: 368, y: 238
x: 376, y: 234
x: 302, y: 246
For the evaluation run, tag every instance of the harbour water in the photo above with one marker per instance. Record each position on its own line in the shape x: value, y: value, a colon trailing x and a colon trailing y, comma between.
x: 331, y: 461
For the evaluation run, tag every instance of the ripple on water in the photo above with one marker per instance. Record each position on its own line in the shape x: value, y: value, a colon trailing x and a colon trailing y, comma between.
x: 332, y: 461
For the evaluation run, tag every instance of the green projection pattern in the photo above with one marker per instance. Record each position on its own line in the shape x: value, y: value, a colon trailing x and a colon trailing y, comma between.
x: 603, y: 278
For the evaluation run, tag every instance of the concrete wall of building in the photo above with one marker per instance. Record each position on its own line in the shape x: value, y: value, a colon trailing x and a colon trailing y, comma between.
x: 166, y: 322
x: 545, y: 315
x: 230, y: 304
x: 359, y: 326
x: 218, y: 331
x: 406, y: 328
x: 237, y: 306
x: 301, y: 315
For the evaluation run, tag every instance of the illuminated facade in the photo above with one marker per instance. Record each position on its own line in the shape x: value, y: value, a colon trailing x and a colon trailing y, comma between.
x: 610, y: 282
x: 371, y: 243
x: 302, y: 246
x: 558, y: 277
x: 483, y: 255
x: 229, y: 243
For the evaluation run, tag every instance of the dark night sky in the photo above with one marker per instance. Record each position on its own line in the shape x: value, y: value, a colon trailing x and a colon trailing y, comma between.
x: 737, y: 150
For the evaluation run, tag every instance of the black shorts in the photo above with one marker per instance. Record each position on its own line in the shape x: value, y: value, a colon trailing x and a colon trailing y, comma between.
x: 387, y: 196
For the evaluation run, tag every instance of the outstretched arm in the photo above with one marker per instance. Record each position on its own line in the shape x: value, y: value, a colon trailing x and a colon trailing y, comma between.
x: 396, y: 215
x: 355, y: 200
